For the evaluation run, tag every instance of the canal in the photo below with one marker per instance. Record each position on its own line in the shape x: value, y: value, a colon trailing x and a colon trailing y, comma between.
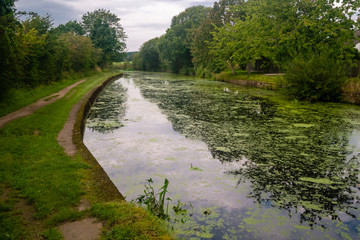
x: 242, y: 163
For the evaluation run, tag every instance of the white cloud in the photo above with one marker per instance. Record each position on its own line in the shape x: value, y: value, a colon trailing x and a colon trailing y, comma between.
x: 142, y: 19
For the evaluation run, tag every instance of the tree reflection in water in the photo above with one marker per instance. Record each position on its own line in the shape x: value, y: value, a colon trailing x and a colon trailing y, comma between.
x: 297, y: 152
x: 108, y: 110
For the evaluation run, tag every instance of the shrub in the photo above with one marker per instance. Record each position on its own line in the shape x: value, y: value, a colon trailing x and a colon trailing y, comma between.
x: 315, y: 77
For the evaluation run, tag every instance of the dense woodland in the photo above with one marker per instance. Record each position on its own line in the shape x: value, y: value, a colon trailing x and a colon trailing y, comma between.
x: 312, y: 41
x: 34, y: 52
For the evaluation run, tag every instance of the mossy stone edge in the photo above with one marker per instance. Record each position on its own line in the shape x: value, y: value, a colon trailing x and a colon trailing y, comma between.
x: 99, y: 184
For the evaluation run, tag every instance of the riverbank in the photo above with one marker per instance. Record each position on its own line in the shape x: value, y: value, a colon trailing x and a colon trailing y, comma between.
x: 43, y: 189
x: 351, y: 89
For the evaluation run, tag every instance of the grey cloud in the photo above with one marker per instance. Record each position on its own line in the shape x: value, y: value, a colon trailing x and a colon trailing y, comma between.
x: 59, y: 12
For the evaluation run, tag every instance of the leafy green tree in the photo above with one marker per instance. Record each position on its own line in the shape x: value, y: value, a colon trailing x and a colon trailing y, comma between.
x: 106, y: 32
x: 33, y: 48
x: 82, y: 54
x: 7, y: 7
x: 176, y: 43
x: 42, y: 24
x: 10, y: 50
x: 148, y: 58
x: 279, y: 30
x: 223, y: 12
x: 70, y: 27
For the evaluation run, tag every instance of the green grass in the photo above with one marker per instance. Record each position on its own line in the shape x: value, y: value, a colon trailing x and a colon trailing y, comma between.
x: 243, y: 75
x: 23, y: 96
x: 35, y: 168
x: 124, y: 222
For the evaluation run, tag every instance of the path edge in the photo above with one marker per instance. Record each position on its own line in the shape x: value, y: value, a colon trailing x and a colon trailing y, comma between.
x: 101, y: 187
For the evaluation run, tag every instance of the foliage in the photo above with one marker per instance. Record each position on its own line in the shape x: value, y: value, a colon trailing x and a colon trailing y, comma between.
x: 35, y: 53
x: 41, y: 24
x: 315, y: 77
x: 263, y: 35
x: 148, y: 58
x: 82, y: 55
x: 10, y: 52
x: 280, y: 30
x: 70, y: 27
x: 220, y: 14
x: 106, y: 32
x: 155, y: 202
x: 176, y: 43
x: 6, y: 7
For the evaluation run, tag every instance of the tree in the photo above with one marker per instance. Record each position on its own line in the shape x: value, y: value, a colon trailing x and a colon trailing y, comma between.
x: 7, y: 7
x: 148, y: 58
x: 10, y: 51
x: 279, y: 30
x: 106, y: 32
x: 70, y: 27
x: 175, y: 44
x: 81, y: 54
x: 41, y: 24
x: 222, y: 13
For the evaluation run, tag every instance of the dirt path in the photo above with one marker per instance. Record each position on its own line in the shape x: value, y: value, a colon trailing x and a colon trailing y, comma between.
x: 65, y: 135
x: 88, y: 228
x: 30, y: 109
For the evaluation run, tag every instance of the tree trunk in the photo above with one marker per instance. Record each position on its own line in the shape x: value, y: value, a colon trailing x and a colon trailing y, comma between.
x: 232, y: 68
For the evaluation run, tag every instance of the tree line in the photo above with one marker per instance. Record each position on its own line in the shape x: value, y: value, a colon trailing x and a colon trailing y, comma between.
x: 34, y: 52
x: 312, y: 41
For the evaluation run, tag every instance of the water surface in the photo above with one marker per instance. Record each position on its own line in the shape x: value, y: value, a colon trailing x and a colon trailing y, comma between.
x: 252, y: 164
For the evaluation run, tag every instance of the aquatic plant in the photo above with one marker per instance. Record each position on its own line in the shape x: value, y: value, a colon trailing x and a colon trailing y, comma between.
x: 108, y: 110
x: 155, y: 202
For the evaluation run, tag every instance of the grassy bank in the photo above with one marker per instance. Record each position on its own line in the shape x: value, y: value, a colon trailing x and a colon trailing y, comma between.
x: 23, y: 96
x: 41, y: 187
x: 350, y: 90
x: 243, y: 75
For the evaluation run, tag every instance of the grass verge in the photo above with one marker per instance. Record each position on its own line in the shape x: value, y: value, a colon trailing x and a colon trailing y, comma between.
x: 243, y: 75
x: 23, y: 96
x: 41, y: 187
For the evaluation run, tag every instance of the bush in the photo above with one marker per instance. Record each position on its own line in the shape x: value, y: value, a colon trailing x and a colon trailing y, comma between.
x: 315, y: 77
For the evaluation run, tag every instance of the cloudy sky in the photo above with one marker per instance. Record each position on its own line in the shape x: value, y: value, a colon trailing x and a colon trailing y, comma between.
x: 142, y: 19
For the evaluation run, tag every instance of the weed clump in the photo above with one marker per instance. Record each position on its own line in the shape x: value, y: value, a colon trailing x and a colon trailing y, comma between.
x: 315, y: 77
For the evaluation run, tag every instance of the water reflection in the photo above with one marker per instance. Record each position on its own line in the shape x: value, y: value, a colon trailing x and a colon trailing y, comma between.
x: 298, y: 155
x: 298, y: 163
x: 107, y: 111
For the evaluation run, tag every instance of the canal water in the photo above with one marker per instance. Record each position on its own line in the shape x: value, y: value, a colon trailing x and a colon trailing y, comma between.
x: 242, y: 163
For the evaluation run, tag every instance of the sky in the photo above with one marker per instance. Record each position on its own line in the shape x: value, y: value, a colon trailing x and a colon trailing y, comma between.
x: 142, y: 20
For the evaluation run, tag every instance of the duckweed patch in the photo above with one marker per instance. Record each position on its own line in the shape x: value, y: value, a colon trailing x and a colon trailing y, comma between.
x: 108, y: 109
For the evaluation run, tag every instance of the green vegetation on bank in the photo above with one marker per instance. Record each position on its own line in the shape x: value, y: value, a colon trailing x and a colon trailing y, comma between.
x: 263, y: 36
x: 34, y: 52
x: 41, y: 187
x: 243, y: 75
x: 21, y: 97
